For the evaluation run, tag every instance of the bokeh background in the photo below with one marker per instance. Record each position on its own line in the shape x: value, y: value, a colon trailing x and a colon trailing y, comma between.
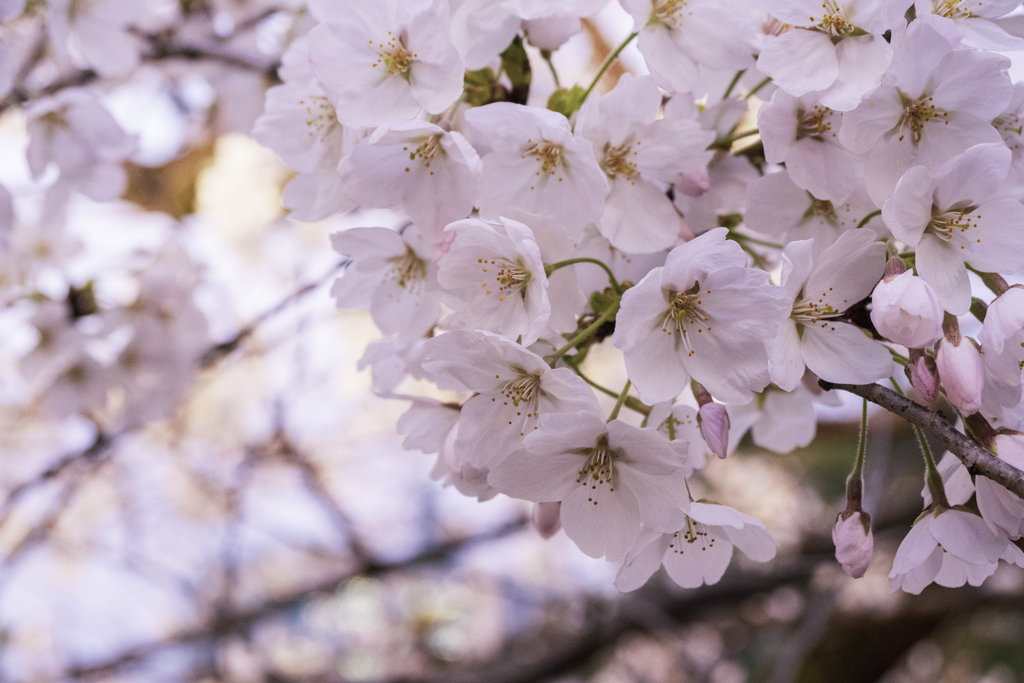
x: 271, y: 528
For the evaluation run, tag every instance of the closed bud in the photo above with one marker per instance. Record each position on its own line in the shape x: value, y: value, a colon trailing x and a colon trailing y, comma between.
x: 906, y: 310
x: 923, y: 374
x: 714, y: 427
x: 547, y: 518
x: 962, y: 373
x: 854, y: 542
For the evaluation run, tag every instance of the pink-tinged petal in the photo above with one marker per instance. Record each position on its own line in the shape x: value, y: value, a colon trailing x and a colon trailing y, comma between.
x: 406, y: 311
x: 777, y: 120
x: 795, y: 12
x: 787, y: 363
x: 542, y: 479
x: 971, y: 177
x: 731, y: 372
x: 1002, y: 510
x: 824, y: 169
x: 663, y: 498
x: 702, y: 561
x: 974, y: 81
x: 877, y: 114
x: 643, y: 310
x: 799, y: 61
x: 639, y: 218
x: 843, y: 354
x: 547, y: 519
x: 995, y: 242
x: 468, y: 357
x: 916, y: 547
x: 602, y: 523
x: 886, y: 163
x: 988, y: 35
x: 698, y: 257
x: 656, y: 367
x: 787, y: 422
x: 713, y: 514
x: 966, y: 536
x: 644, y: 450
x: 672, y: 67
x: 942, y: 266
x: 917, y: 578
x: 862, y: 61
x: 909, y: 211
x: 775, y: 204
x: 753, y: 541
x: 562, y: 433
x: 941, y: 141
x: 642, y: 561
x: 848, y: 270
x: 797, y: 263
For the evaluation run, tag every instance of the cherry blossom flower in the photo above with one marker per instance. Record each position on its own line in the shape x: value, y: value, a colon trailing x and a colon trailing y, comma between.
x: 432, y: 427
x: 96, y: 31
x: 955, y: 216
x: 934, y: 102
x: 804, y: 135
x: 495, y: 277
x: 678, y: 423
x: 703, y: 315
x: 609, y: 477
x: 676, y: 36
x: 779, y: 421
x: 971, y: 19
x: 1003, y: 510
x: 536, y: 164
x: 1002, y: 339
x: 430, y: 172
x: 950, y: 547
x: 834, y: 48
x: 776, y: 206
x: 74, y: 131
x: 822, y: 289
x: 700, y: 551
x: 514, y: 386
x: 383, y: 60
x: 393, y: 276
x: 299, y: 123
x: 642, y: 156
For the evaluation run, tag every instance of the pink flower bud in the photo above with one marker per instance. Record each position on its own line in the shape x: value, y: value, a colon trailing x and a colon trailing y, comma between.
x: 906, y: 310
x: 714, y: 427
x: 549, y: 33
x: 854, y: 543
x: 693, y: 184
x: 547, y: 518
x: 924, y: 376
x: 962, y: 373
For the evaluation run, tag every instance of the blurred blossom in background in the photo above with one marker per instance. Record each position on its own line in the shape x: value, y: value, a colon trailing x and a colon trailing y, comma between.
x: 254, y: 517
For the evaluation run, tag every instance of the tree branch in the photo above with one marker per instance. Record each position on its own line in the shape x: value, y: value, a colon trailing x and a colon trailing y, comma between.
x: 976, y: 459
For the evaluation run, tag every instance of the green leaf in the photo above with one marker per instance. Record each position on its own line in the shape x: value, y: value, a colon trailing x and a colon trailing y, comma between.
x: 567, y: 100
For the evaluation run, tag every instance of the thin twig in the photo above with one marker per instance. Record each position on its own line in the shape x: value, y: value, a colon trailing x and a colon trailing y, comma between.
x: 977, y: 459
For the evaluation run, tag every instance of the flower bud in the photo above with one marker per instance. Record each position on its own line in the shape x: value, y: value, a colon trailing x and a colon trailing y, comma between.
x: 547, y: 518
x: 962, y: 373
x: 714, y: 427
x: 854, y: 542
x: 548, y: 33
x: 923, y: 374
x: 906, y: 310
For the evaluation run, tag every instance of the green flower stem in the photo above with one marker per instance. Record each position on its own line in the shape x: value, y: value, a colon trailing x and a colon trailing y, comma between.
x: 932, y: 476
x: 867, y: 219
x: 622, y: 400
x: 552, y: 267
x: 758, y: 87
x: 631, y: 402
x: 735, y: 80
x: 740, y: 237
x: 607, y: 63
x: 586, y: 334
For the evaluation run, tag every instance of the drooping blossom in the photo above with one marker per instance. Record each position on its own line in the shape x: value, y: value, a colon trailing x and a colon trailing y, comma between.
x: 854, y: 543
x: 700, y: 551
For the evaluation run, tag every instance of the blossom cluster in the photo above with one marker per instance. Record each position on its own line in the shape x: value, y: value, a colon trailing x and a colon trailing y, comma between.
x: 795, y: 191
